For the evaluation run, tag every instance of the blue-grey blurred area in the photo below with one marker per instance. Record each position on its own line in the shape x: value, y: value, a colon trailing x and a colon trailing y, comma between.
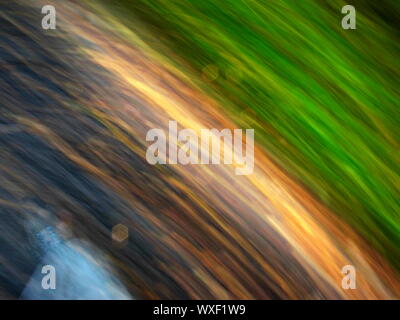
x: 77, y: 274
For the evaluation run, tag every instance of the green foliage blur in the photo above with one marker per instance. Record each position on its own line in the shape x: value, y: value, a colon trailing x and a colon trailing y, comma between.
x: 324, y: 101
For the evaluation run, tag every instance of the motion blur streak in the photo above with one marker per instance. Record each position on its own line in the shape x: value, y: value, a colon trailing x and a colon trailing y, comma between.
x: 77, y: 103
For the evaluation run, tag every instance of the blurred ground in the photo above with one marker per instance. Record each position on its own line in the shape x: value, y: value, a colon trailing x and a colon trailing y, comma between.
x: 75, y: 107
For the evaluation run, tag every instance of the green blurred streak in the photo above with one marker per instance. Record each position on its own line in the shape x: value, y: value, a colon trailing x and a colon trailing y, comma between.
x: 323, y: 100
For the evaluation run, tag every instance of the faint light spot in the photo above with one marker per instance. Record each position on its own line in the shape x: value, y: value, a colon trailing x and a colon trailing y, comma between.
x: 234, y: 74
x: 210, y: 72
x: 120, y: 233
